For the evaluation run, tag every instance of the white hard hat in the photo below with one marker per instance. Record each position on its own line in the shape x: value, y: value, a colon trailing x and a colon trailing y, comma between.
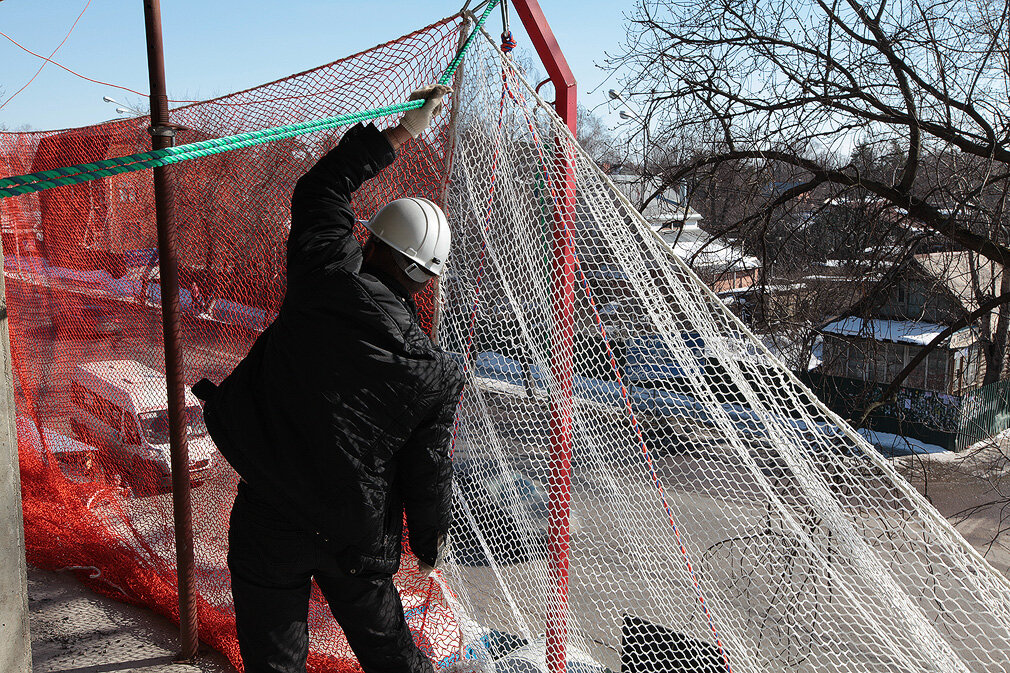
x: 417, y: 229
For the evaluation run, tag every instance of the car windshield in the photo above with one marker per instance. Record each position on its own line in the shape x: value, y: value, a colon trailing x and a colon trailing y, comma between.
x: 156, y: 427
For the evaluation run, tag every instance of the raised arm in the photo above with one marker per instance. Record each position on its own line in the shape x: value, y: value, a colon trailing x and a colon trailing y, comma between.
x: 322, y: 220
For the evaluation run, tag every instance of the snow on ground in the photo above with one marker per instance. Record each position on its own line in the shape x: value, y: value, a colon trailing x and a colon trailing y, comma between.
x: 788, y: 345
x: 816, y: 354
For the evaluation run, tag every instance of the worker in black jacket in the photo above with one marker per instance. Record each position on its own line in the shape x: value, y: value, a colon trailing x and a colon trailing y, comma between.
x: 338, y: 420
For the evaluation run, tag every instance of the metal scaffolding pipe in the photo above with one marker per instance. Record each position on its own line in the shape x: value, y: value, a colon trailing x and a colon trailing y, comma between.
x: 162, y: 136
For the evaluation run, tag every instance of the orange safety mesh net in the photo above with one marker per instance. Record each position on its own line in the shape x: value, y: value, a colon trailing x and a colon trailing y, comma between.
x: 83, y: 291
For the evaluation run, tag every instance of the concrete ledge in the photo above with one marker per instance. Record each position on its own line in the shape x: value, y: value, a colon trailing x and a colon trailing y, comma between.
x: 74, y: 630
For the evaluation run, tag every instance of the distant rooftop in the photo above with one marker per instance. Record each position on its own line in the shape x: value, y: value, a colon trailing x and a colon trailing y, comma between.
x: 697, y: 246
x: 898, y: 331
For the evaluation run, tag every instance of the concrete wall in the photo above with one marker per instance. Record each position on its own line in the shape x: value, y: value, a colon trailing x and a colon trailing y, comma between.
x: 15, y: 645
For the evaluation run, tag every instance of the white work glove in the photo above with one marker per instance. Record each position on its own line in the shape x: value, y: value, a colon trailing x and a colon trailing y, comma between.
x: 416, y: 121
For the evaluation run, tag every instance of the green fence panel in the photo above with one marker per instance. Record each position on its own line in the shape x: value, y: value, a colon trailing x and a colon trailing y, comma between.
x: 985, y: 413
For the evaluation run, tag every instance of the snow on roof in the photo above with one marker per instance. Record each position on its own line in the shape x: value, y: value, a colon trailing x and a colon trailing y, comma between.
x: 677, y: 224
x: 757, y: 287
x: 896, y: 331
x: 695, y: 245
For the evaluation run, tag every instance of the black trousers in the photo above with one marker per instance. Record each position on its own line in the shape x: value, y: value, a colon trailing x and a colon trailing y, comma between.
x: 272, y: 563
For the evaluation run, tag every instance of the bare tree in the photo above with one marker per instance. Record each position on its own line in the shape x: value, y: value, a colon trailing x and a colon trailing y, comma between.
x: 896, y: 109
x: 597, y: 140
x: 899, y: 105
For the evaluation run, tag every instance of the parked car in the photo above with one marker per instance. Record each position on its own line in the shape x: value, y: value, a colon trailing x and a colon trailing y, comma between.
x: 94, y: 321
x: 78, y: 321
x: 77, y: 461
x: 120, y: 406
x: 84, y: 321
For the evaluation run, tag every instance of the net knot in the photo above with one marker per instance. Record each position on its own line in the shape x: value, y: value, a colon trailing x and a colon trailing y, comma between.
x: 508, y: 42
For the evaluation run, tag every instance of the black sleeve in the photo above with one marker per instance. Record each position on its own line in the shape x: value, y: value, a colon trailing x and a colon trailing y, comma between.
x: 426, y: 480
x: 322, y: 219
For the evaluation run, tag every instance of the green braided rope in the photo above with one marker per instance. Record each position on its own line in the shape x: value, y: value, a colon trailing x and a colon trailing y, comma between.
x: 174, y: 155
x: 205, y: 147
x: 70, y: 175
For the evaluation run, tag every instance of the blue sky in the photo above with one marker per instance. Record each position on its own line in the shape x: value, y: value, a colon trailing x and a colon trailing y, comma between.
x: 215, y: 47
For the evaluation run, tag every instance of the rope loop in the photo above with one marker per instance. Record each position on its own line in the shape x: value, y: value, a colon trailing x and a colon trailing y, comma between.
x: 508, y: 42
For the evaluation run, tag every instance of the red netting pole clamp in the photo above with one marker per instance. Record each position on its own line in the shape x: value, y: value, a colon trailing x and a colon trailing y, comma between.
x: 162, y: 136
x: 562, y: 346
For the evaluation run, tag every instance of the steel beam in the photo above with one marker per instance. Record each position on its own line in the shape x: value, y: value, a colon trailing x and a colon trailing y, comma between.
x: 562, y: 341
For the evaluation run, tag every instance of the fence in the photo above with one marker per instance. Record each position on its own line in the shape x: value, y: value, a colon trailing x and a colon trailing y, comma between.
x: 922, y: 414
x: 985, y: 412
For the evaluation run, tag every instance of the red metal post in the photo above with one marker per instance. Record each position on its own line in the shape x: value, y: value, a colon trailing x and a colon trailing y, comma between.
x: 562, y: 343
x: 162, y: 136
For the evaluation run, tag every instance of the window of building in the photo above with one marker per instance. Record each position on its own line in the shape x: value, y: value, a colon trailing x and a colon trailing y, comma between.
x: 916, y: 302
x: 878, y: 362
x: 895, y: 360
x: 834, y: 355
x: 960, y: 372
x: 855, y: 362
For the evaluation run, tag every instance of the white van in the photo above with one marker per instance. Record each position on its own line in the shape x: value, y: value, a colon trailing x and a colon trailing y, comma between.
x: 121, y: 407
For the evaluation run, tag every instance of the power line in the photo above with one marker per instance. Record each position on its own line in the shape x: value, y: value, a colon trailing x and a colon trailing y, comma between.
x: 86, y: 5
x: 77, y: 74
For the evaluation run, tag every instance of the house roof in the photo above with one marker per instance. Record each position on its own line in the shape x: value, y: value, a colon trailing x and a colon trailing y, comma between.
x: 953, y: 272
x: 898, y: 331
x: 695, y: 246
x: 677, y: 224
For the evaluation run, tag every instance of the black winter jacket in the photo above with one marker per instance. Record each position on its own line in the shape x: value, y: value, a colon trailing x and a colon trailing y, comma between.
x: 341, y: 412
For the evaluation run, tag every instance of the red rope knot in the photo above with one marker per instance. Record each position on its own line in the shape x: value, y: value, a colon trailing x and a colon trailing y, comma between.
x: 508, y: 42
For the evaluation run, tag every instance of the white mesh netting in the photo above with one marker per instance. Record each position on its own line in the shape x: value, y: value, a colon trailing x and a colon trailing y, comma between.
x: 721, y: 518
